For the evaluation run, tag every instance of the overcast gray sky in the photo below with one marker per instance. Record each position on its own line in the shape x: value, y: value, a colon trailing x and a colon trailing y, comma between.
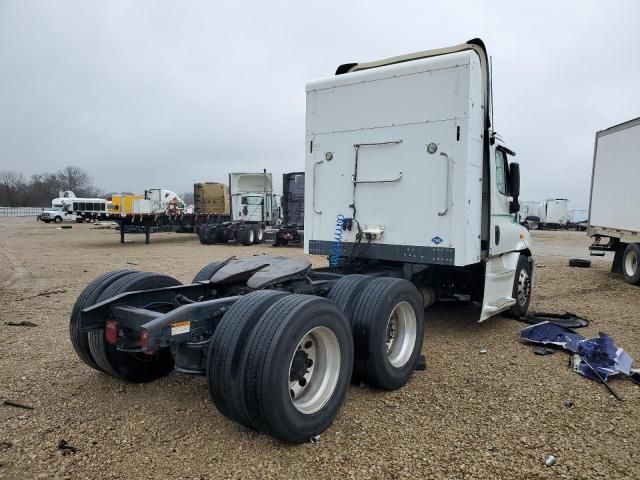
x: 159, y: 93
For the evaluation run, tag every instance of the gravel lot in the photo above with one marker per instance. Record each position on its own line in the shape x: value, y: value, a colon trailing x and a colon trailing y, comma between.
x: 469, y: 415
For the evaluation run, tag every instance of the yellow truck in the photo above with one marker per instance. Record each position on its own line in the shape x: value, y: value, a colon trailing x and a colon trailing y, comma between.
x: 123, y: 204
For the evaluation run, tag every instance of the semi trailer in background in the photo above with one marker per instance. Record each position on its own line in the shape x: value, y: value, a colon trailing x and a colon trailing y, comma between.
x: 211, y: 198
x: 157, y: 210
x: 552, y: 213
x: 578, y: 219
x: 614, y: 216
x: 291, y: 230
x: 556, y: 213
x: 253, y: 208
x: 413, y: 197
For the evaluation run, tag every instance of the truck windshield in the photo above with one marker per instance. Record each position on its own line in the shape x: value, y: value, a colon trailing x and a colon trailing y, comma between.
x: 251, y: 200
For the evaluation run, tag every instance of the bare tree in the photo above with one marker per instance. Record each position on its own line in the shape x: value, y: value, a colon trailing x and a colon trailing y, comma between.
x: 12, y: 187
x: 75, y: 179
x: 188, y: 198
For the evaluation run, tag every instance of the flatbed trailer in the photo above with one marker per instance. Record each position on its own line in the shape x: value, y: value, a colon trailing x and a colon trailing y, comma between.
x: 280, y: 341
x: 180, y: 223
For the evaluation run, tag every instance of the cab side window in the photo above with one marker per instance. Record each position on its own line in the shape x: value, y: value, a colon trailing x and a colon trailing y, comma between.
x: 501, y: 172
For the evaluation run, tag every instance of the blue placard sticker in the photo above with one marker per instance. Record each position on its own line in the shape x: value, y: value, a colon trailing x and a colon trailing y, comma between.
x: 437, y: 240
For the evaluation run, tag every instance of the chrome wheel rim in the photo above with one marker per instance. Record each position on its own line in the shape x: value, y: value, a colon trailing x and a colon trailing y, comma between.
x: 252, y: 236
x: 524, y: 287
x: 260, y: 234
x: 401, y: 334
x: 314, y: 370
x: 631, y: 263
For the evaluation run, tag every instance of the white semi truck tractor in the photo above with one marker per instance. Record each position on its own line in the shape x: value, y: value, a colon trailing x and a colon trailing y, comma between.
x: 614, y: 218
x: 411, y: 196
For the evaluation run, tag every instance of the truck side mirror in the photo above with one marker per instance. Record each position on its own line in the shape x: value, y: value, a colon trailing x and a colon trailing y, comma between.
x: 514, y: 186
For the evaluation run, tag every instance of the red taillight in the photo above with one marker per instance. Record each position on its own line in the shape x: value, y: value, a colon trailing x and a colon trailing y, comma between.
x: 111, y: 332
x: 144, y: 341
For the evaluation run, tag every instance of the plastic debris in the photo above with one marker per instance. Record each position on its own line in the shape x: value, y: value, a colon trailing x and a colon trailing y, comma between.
x: 315, y: 439
x: 483, y: 351
x: 567, y: 319
x: 601, y: 355
x: 550, y: 460
x: 549, y: 333
x: 597, y: 358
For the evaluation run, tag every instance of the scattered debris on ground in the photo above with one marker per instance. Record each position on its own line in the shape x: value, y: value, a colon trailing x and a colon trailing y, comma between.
x: 568, y: 320
x: 18, y: 404
x: 597, y: 358
x: 579, y: 263
x: 65, y: 447
x: 23, y: 323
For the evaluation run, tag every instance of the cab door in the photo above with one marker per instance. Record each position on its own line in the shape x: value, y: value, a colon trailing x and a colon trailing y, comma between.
x: 502, y: 220
x: 502, y: 260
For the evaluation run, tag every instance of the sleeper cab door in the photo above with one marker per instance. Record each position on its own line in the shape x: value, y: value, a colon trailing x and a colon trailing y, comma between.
x: 504, y: 236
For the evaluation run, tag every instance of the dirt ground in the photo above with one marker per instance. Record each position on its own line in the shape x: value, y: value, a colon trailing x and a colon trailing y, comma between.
x: 469, y: 415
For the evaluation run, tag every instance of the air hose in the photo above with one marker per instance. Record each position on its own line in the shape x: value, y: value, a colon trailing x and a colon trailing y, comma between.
x: 336, y: 249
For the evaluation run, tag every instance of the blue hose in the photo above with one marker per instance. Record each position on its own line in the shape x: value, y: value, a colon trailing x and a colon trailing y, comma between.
x: 336, y: 249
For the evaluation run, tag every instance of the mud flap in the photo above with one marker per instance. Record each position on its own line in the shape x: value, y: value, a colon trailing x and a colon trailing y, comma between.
x: 498, y: 284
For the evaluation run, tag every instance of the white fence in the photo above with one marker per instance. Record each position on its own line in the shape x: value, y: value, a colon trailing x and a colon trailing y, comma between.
x: 20, y: 211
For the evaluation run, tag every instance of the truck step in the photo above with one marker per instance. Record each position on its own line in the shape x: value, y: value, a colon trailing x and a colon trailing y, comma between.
x: 596, y: 254
x: 500, y: 304
x: 500, y: 272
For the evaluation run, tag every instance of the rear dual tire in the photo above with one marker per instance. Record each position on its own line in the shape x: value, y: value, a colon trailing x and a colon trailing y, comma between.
x: 130, y: 366
x: 286, y: 371
x: 388, y: 332
x: 88, y: 297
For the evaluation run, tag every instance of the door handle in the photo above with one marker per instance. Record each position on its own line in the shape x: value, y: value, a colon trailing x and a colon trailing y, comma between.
x: 313, y: 202
x: 391, y: 180
x: 448, y: 193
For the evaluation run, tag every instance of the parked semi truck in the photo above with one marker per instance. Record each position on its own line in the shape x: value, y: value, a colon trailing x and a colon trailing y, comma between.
x: 614, y: 218
x: 278, y: 340
x: 291, y: 230
x: 254, y: 207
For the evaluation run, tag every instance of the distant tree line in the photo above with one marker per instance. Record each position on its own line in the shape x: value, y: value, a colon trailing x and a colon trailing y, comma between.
x: 41, y: 188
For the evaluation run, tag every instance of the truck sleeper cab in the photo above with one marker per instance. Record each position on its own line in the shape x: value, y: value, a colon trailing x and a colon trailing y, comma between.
x: 403, y: 168
x: 410, y: 195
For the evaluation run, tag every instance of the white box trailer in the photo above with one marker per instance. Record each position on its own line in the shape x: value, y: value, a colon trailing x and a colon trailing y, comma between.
x: 613, y: 203
x: 556, y: 213
x: 402, y: 166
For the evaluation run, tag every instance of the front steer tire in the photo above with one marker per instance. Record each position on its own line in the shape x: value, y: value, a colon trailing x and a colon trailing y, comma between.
x: 225, y: 360
x: 87, y: 298
x: 522, y: 287
x: 286, y: 396
x: 129, y: 366
x: 388, y: 331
